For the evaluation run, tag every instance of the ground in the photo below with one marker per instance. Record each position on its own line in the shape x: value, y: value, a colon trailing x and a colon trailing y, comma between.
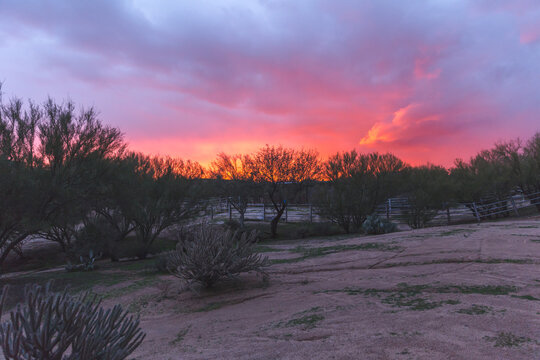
x: 458, y: 292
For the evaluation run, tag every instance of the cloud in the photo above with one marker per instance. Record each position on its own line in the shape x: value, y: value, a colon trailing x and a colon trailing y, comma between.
x: 409, y: 77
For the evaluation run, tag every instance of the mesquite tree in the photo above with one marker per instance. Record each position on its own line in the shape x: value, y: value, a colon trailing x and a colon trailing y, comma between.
x: 166, y: 194
x: 428, y: 190
x: 75, y: 146
x: 356, y: 185
x: 235, y: 179
x: 284, y: 173
x: 25, y: 196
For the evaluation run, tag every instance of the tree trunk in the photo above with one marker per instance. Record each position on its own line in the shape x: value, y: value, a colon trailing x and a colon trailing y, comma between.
x: 274, y: 223
x: 241, y: 219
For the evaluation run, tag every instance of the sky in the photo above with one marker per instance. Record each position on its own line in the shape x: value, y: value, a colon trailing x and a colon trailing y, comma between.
x: 429, y: 81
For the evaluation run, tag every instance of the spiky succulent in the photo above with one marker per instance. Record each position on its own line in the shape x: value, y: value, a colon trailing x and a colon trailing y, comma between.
x: 60, y: 326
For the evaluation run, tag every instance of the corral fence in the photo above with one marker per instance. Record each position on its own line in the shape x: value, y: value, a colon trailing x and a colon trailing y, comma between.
x: 223, y: 210
x: 394, y: 209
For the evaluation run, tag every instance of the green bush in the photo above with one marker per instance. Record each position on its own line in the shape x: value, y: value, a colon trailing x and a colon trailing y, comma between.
x: 374, y: 225
x: 161, y: 261
x: 60, y: 326
x: 209, y: 254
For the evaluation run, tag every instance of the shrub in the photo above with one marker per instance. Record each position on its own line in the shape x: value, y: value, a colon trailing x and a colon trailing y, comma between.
x: 97, y: 235
x: 161, y: 261
x: 209, y: 254
x: 60, y: 326
x: 374, y: 225
x: 232, y: 224
x: 315, y: 229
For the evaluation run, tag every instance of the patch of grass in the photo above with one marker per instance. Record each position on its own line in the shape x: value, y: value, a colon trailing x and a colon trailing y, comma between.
x: 476, y: 310
x: 507, y: 339
x: 526, y: 297
x: 400, y: 299
x: 180, y: 336
x: 307, y: 321
x: 212, y: 306
x: 293, y: 231
x: 107, y: 274
x: 510, y: 261
x: 402, y: 296
x: 312, y: 252
x: 456, y: 231
x: 478, y: 289
x: 420, y: 236
x: 136, y: 285
x: 265, y: 248
x: 408, y: 296
x: 137, y: 265
x: 457, y: 261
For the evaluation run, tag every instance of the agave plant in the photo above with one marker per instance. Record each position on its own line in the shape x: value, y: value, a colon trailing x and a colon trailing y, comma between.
x: 211, y: 254
x: 87, y: 263
x: 60, y: 326
x: 374, y: 225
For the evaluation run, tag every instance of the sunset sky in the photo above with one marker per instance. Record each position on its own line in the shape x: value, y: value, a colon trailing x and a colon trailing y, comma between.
x: 427, y: 80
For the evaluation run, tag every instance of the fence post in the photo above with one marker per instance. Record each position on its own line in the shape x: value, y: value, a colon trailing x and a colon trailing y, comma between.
x: 310, y: 213
x: 286, y: 214
x: 264, y: 212
x: 448, y: 214
x: 514, y: 206
x: 230, y: 210
x: 476, y: 212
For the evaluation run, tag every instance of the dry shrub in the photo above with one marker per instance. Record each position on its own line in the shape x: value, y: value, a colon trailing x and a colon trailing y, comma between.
x: 210, y: 254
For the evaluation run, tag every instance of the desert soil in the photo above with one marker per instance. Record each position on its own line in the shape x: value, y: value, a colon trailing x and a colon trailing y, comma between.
x: 458, y: 292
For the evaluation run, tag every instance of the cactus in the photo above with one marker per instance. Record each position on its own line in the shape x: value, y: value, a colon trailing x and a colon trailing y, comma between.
x: 211, y: 254
x: 60, y: 326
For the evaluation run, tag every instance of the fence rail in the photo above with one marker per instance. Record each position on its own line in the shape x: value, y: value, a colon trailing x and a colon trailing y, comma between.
x: 394, y: 209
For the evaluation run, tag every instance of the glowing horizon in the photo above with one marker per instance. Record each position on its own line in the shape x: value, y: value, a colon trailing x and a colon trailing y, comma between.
x: 429, y: 81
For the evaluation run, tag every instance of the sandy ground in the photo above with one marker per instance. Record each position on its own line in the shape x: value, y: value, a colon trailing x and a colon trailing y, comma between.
x: 460, y: 292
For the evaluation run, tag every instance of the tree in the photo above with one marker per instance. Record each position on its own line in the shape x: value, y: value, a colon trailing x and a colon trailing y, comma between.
x: 283, y: 173
x: 489, y: 178
x: 428, y: 190
x: 164, y: 196
x: 25, y: 197
x: 531, y: 172
x: 235, y: 179
x: 75, y: 148
x: 356, y: 185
